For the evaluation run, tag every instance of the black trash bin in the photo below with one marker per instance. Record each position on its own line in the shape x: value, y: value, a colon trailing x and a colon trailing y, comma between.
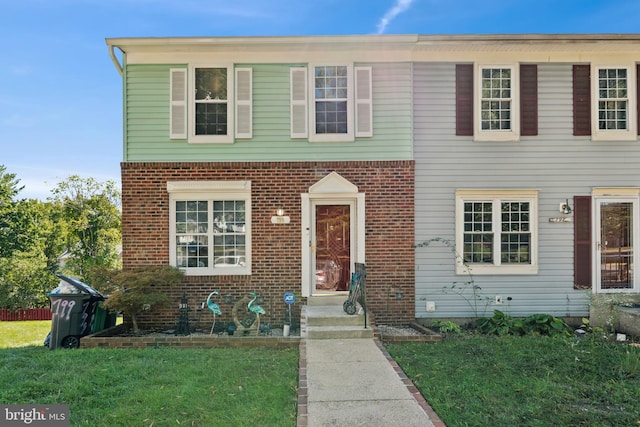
x: 75, y: 312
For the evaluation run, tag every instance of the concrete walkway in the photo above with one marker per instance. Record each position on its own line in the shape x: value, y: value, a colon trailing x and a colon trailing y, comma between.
x: 354, y: 382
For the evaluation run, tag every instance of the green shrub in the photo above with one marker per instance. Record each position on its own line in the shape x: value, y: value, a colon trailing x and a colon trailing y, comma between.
x: 446, y: 326
x: 537, y: 324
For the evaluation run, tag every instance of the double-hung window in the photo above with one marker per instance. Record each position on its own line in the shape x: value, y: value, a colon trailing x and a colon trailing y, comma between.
x: 605, y: 104
x: 496, y: 231
x: 331, y: 95
x: 331, y: 102
x: 496, y: 102
x: 613, y: 118
x: 210, y: 227
x: 211, y: 104
x: 613, y: 99
x: 497, y: 108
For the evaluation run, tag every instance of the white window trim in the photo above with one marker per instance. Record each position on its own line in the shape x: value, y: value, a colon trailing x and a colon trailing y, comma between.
x: 210, y: 191
x: 512, y: 134
x: 463, y: 196
x: 331, y: 137
x: 630, y: 134
x: 228, y: 138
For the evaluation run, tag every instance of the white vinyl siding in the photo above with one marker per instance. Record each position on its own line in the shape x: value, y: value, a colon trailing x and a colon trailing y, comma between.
x: 178, y: 103
x: 298, y: 93
x: 244, y: 101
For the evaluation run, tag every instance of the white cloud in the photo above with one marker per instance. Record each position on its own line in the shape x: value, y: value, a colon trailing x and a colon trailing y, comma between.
x: 398, y: 8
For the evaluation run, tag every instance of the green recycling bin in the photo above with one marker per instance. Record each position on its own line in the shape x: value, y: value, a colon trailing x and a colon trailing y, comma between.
x: 75, y: 312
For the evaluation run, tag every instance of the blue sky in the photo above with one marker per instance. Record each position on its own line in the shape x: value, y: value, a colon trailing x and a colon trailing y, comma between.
x: 60, y: 95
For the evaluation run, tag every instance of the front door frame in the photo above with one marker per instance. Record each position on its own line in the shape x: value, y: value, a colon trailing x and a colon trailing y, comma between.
x: 623, y: 195
x: 332, y: 189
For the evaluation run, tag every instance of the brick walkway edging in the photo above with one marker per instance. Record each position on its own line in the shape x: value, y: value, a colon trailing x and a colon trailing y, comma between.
x: 302, y: 386
x: 435, y: 419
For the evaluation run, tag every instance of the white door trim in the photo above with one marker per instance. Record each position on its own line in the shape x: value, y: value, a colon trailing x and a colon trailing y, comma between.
x: 333, y: 188
x: 597, y: 244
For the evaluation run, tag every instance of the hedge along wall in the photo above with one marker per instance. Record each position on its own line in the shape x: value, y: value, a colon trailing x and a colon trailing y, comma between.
x: 276, y: 251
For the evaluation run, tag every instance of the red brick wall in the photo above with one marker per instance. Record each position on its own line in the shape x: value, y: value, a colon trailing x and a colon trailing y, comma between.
x: 276, y: 251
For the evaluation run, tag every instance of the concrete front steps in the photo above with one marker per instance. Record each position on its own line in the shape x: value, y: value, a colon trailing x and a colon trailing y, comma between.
x: 324, y: 318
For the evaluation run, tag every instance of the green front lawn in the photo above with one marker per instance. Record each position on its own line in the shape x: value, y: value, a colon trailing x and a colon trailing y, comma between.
x: 155, y: 386
x: 526, y: 381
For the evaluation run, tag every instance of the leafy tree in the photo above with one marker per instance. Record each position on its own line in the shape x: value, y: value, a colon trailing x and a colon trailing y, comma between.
x: 11, y: 224
x: 135, y: 291
x: 92, y: 220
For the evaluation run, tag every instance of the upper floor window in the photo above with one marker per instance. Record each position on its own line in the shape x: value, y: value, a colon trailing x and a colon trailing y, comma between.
x: 496, y: 99
x: 496, y: 103
x: 331, y: 102
x: 496, y: 231
x: 331, y: 99
x: 210, y: 227
x: 495, y: 107
x: 210, y: 103
x: 613, y: 99
x: 604, y: 102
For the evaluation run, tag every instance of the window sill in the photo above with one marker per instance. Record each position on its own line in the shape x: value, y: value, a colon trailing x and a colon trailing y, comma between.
x: 221, y: 271
x: 478, y: 269
x: 221, y: 139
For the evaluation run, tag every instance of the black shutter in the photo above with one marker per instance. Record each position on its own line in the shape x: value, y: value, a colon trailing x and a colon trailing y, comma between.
x: 581, y: 100
x: 528, y: 99
x: 464, y: 99
x: 582, y: 242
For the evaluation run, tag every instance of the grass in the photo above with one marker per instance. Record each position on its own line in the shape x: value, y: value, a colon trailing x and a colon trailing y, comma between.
x: 525, y: 381
x: 151, y: 387
x: 21, y: 334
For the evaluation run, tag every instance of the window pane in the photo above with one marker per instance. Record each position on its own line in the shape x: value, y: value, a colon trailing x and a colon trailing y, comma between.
x: 478, y: 248
x: 515, y: 238
x: 229, y: 233
x: 192, y: 226
x: 331, y: 117
x: 211, y: 84
x: 478, y: 238
x: 211, y: 119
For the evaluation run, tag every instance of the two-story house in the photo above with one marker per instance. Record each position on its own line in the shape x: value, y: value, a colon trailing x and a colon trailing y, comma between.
x: 270, y: 164
x: 273, y: 164
x: 527, y: 163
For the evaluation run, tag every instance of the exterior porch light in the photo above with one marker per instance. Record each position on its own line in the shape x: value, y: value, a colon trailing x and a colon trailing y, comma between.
x: 280, y: 217
x: 565, y: 208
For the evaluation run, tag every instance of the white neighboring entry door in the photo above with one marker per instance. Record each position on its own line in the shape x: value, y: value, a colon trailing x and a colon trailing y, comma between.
x: 616, y: 231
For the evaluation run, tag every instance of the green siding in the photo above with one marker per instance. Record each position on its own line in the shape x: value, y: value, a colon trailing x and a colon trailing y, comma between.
x: 147, y: 120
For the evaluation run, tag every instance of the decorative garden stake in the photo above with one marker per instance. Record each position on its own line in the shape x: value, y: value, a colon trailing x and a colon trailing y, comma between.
x: 215, y: 309
x: 289, y: 299
x: 183, y: 320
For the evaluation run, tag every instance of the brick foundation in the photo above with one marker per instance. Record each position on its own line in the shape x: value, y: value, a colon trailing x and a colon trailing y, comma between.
x: 276, y: 251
